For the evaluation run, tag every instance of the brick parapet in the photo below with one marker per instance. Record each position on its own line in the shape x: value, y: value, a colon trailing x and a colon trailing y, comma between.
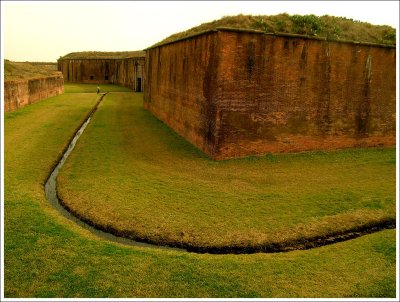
x: 19, y: 93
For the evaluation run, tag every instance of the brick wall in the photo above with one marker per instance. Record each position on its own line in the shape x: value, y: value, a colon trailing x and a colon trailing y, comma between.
x: 20, y: 93
x: 124, y: 72
x: 180, y: 87
x: 87, y: 71
x: 289, y: 94
x: 129, y: 73
x: 237, y: 93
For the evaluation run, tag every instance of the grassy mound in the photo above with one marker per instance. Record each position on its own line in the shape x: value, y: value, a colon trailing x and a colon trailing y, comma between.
x: 104, y: 55
x: 26, y: 70
x: 329, y: 27
x: 47, y: 256
x: 131, y: 174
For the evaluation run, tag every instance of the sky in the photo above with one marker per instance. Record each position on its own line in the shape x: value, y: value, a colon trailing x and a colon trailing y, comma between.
x: 44, y: 31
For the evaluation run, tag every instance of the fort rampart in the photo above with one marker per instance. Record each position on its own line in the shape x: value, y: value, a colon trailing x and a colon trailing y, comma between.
x: 19, y: 93
x: 180, y: 84
x: 235, y: 93
x: 128, y: 72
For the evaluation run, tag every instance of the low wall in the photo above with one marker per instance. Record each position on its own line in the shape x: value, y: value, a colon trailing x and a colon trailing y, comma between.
x: 19, y: 93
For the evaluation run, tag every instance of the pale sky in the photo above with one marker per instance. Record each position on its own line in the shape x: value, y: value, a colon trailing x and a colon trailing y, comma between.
x: 44, y: 31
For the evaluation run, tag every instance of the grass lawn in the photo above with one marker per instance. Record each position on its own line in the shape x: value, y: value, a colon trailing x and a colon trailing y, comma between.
x: 131, y: 173
x: 46, y: 255
x: 92, y: 88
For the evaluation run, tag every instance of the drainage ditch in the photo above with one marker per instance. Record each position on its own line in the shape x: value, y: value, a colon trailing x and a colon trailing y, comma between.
x: 112, y: 234
x: 51, y: 192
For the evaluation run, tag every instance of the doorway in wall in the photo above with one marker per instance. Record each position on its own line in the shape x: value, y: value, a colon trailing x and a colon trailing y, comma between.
x: 139, y: 85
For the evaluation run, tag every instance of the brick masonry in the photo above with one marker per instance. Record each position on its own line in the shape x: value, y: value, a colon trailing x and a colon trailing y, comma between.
x: 127, y: 72
x: 180, y: 88
x: 238, y: 93
x: 19, y: 93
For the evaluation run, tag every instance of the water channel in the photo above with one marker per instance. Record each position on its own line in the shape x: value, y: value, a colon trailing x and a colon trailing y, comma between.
x: 52, y: 197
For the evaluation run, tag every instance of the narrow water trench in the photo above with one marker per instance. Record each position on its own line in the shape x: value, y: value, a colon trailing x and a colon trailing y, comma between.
x: 51, y: 194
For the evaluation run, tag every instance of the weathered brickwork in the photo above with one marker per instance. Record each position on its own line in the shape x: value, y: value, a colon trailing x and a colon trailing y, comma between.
x: 19, y: 93
x: 267, y: 93
x: 128, y: 72
x: 180, y: 88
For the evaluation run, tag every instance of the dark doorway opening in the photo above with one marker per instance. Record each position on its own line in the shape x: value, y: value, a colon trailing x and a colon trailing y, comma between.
x: 139, y: 85
x: 92, y: 77
x: 106, y: 78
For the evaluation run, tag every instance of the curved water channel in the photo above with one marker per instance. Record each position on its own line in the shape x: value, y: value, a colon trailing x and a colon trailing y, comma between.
x: 51, y: 195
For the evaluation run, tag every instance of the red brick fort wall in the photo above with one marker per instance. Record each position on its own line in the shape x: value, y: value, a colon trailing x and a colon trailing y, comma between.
x: 125, y: 72
x: 289, y: 94
x: 235, y: 93
x: 181, y: 79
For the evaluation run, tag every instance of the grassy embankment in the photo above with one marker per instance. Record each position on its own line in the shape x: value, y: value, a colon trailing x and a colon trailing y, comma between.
x: 104, y: 55
x: 132, y: 174
x: 27, y: 70
x: 326, y: 27
x: 46, y: 255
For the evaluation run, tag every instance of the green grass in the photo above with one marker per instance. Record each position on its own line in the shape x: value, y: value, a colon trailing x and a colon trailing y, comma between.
x: 91, y: 88
x: 46, y: 255
x: 130, y: 172
x: 26, y: 70
x: 330, y: 27
x: 103, y: 55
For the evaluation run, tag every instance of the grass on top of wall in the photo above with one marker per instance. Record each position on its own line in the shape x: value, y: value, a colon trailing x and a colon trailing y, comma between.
x: 330, y: 27
x: 27, y: 70
x: 48, y: 256
x: 131, y: 173
x: 104, y: 55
